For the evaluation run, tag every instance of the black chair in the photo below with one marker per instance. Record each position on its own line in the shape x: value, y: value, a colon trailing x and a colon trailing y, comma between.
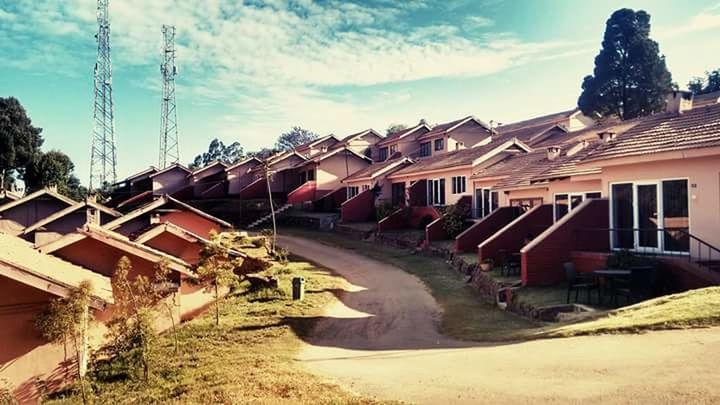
x: 577, y: 283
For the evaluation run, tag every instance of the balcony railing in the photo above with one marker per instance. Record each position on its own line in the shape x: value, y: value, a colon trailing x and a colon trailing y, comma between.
x: 659, y: 242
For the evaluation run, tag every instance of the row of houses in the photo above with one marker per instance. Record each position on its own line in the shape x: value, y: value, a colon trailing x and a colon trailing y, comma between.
x: 49, y: 244
x: 559, y: 186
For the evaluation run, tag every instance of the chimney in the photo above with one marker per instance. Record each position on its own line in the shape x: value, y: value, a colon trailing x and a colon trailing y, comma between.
x: 92, y: 217
x: 154, y: 219
x: 553, y: 152
x: 678, y: 101
x: 606, y: 136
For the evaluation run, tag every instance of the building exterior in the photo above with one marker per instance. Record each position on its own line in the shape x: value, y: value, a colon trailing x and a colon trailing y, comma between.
x: 16, y: 215
x: 170, y: 180
x: 241, y: 174
x: 401, y: 143
x: 68, y: 220
x: 209, y: 181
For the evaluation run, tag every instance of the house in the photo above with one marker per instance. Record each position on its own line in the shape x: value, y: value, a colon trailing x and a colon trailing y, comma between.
x: 177, y: 241
x: 171, y: 180
x: 322, y: 175
x: 23, y: 212
x: 68, y: 220
x: 29, y: 282
x: 284, y: 176
x: 209, y: 181
x: 320, y: 145
x: 362, y: 143
x: 241, y: 174
x: 401, y: 143
x: 131, y: 186
x: 570, y: 120
x: 167, y: 209
x: 464, y: 133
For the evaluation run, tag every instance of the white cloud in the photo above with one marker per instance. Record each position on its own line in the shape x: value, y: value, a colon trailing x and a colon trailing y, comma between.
x: 478, y: 21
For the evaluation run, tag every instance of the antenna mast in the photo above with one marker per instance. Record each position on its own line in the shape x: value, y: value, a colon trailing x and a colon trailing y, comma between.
x: 103, y: 163
x: 169, y: 148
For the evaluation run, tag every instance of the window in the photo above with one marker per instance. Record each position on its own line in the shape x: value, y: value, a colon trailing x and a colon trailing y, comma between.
x: 458, y: 184
x: 398, y: 194
x: 365, y: 187
x: 650, y: 216
x: 459, y: 145
x: 566, y: 202
x: 393, y: 149
x: 425, y: 149
x: 526, y: 203
x: 486, y: 201
x: 352, y: 191
x: 439, y: 144
x: 311, y: 175
x: 383, y: 154
x: 436, y: 192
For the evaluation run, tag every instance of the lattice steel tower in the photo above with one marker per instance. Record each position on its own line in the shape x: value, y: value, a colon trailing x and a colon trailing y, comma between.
x: 169, y: 148
x: 103, y: 163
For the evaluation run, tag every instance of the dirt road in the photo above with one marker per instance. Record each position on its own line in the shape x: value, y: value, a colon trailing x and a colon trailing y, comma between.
x: 381, y: 340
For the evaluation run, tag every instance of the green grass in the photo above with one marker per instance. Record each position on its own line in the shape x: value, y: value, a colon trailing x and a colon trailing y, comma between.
x: 690, y: 309
x: 248, y: 359
x: 465, y: 315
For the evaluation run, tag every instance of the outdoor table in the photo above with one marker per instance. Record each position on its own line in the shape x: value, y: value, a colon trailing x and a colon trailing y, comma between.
x: 610, y: 275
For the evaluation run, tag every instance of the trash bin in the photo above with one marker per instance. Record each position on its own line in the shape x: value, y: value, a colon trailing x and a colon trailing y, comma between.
x: 298, y: 288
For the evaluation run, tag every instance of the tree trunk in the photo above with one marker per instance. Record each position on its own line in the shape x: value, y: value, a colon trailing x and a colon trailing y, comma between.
x: 83, y: 352
x: 80, y: 371
x: 217, y: 305
x: 272, y: 209
x: 172, y: 322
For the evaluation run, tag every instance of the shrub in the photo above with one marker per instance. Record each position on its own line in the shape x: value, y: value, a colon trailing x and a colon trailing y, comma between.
x: 252, y: 265
x: 454, y: 219
x: 382, y: 210
x: 259, y: 242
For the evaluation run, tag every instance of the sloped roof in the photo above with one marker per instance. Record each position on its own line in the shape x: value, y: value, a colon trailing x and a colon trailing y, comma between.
x: 70, y: 210
x: 9, y: 195
x: 377, y: 169
x: 151, y: 206
x: 180, y: 232
x: 310, y: 144
x: 40, y: 193
x: 702, y: 100
x: 45, y: 269
x: 147, y: 172
x: 459, y: 158
x: 549, y: 119
x: 448, y: 127
x: 243, y: 162
x: 120, y: 242
x: 174, y: 166
x: 532, y: 134
x: 667, y: 132
x: 332, y: 152
x: 360, y: 134
x: 209, y: 166
x: 397, y: 135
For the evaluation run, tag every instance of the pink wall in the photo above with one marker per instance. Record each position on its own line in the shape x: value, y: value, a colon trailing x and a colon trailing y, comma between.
x: 240, y: 177
x: 178, y: 247
x: 304, y: 193
x: 170, y: 182
x: 33, y: 211
x: 192, y: 222
x: 469, y: 240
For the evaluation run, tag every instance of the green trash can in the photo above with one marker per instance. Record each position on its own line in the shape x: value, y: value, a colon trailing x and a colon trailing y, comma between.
x: 298, y: 288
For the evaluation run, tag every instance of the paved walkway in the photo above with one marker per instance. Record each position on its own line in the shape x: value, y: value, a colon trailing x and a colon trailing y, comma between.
x: 381, y: 339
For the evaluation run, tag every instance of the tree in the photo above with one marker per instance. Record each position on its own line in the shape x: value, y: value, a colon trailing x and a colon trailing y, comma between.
x: 163, y: 277
x: 630, y: 78
x: 704, y: 85
x: 53, y: 168
x: 263, y: 153
x: 19, y: 139
x: 395, y: 128
x: 217, y: 150
x: 68, y: 319
x: 216, y: 269
x: 294, y: 138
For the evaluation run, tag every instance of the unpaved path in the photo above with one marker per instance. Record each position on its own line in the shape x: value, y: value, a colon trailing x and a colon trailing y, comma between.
x: 381, y: 340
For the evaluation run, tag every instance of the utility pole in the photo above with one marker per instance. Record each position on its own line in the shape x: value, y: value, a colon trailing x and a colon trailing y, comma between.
x: 169, y: 148
x: 103, y: 159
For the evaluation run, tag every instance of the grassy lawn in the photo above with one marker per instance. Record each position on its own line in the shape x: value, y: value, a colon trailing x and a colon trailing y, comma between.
x: 465, y: 315
x: 248, y: 359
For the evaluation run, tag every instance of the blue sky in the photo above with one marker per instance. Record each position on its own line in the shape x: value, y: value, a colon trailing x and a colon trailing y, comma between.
x: 249, y: 71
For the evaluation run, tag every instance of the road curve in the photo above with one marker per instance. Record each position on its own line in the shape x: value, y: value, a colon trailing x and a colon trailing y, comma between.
x: 381, y: 339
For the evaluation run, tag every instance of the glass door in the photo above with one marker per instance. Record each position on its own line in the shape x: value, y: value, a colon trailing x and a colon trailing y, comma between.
x: 477, y: 209
x: 647, y: 221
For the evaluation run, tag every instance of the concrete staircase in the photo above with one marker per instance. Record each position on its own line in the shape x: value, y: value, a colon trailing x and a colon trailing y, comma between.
x: 268, y: 217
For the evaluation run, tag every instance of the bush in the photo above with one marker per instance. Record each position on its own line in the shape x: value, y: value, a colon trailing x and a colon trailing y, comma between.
x: 259, y: 242
x: 252, y: 265
x: 280, y: 255
x: 454, y: 219
x: 382, y: 210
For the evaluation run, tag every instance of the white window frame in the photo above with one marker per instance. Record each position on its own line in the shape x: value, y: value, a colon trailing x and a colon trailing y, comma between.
x: 658, y: 183
x: 457, y: 182
x: 352, y: 191
x: 570, y: 195
x: 480, y: 204
x: 433, y: 192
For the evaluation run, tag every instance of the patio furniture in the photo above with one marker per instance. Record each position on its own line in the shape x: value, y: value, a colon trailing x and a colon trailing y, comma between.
x: 510, y: 263
x: 610, y: 279
x: 638, y: 286
x: 577, y: 282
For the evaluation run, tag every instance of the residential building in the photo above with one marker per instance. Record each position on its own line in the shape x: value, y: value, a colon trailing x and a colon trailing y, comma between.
x: 401, y: 143
x: 16, y: 215
x: 68, y: 220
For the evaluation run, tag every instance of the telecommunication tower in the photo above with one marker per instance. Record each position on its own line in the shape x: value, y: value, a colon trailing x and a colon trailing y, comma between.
x: 103, y: 163
x: 169, y: 148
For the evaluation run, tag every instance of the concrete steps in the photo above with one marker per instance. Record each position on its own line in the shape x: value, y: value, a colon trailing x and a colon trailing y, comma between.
x: 268, y: 217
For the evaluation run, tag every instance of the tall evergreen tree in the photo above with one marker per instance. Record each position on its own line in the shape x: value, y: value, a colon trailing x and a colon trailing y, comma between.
x: 630, y: 78
x: 19, y: 139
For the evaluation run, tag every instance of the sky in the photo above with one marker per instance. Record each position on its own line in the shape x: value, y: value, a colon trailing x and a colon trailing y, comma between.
x: 250, y: 70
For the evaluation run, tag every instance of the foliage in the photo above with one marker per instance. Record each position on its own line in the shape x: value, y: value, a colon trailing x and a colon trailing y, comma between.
x: 216, y: 269
x: 382, y: 210
x: 6, y: 395
x: 218, y: 151
x: 53, y: 168
x: 259, y: 242
x: 708, y: 84
x: 280, y: 255
x: 393, y: 128
x: 263, y: 153
x: 454, y: 219
x: 19, y: 139
x: 294, y: 138
x: 630, y: 78
x: 131, y: 331
x: 252, y: 265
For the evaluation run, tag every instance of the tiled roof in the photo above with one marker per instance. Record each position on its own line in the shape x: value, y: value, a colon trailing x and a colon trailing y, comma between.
x: 351, y: 137
x: 309, y: 144
x: 450, y: 126
x: 21, y: 255
x: 550, y: 119
x: 48, y: 191
x: 374, y: 168
x: 515, y: 170
x: 701, y: 100
x: 695, y: 128
x: 532, y: 134
x: 402, y: 133
x: 69, y: 210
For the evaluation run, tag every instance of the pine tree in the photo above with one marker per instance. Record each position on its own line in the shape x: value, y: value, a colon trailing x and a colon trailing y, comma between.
x: 630, y: 78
